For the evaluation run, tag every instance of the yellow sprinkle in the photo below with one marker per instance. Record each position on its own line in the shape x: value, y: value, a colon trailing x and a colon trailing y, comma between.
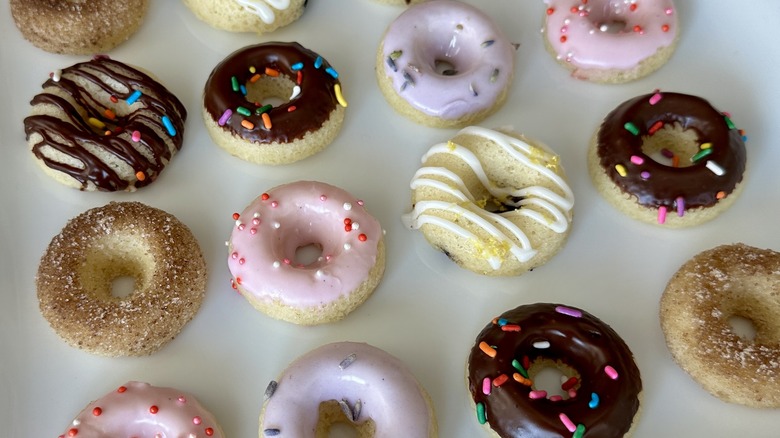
x: 621, y: 170
x: 252, y: 69
x: 339, y: 97
x: 451, y: 145
x: 705, y: 146
x: 96, y: 123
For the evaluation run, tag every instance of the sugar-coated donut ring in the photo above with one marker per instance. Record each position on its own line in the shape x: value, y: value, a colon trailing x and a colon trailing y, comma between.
x: 496, y: 203
x: 121, y: 239
x: 601, y: 396
x: 352, y: 382
x: 263, y: 244
x: 697, y: 306
x: 611, y: 41
x: 104, y: 125
x: 261, y: 16
x: 78, y: 27
x: 305, y: 123
x: 138, y: 409
x: 432, y: 34
x: 700, y: 178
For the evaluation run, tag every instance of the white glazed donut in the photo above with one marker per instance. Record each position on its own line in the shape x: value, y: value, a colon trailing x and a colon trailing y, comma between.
x: 362, y: 383
x: 611, y: 41
x: 267, y: 234
x: 138, y: 409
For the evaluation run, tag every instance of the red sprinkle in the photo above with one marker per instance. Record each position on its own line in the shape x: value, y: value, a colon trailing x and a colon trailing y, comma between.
x: 362, y: 237
x: 73, y: 432
x: 550, y: 11
x: 113, y: 99
x: 121, y: 389
x: 154, y: 409
x: 656, y: 126
x: 500, y: 380
x: 97, y: 411
x: 632, y: 7
x: 265, y: 196
x: 510, y: 328
x: 563, y: 38
x: 209, y: 431
x: 637, y: 28
x: 569, y: 384
x: 348, y: 227
x: 665, y: 28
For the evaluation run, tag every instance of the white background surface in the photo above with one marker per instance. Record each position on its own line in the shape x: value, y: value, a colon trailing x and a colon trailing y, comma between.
x: 427, y: 311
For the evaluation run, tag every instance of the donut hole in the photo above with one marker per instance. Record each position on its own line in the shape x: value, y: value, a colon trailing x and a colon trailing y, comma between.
x: 122, y: 286
x: 306, y: 255
x: 444, y: 67
x: 334, y: 423
x: 269, y: 90
x: 551, y: 376
x: 607, y: 19
x: 672, y: 145
x: 450, y: 53
x: 742, y: 327
x: 117, y: 266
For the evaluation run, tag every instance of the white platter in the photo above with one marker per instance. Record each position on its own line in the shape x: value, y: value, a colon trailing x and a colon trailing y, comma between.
x: 426, y: 311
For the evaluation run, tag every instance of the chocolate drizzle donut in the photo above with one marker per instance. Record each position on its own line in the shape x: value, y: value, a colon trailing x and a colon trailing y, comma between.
x: 709, y: 175
x: 103, y: 125
x: 603, y: 390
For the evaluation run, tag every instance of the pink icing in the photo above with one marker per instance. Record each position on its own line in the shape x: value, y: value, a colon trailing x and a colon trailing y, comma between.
x: 577, y: 31
x: 463, y: 36
x: 138, y: 409
x: 388, y: 392
x: 270, y: 230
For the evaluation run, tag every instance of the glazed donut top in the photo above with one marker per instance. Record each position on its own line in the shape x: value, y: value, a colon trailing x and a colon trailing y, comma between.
x: 263, y: 8
x: 374, y: 385
x: 317, y: 92
x: 138, y: 409
x: 604, y: 401
x: 453, y: 32
x: 715, y: 171
x: 112, y: 107
x: 609, y: 34
x: 268, y: 232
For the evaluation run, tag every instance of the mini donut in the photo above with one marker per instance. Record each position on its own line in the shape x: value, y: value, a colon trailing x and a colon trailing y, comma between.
x: 104, y: 125
x: 611, y: 41
x: 261, y: 16
x: 268, y: 233
x: 78, y: 27
x: 306, y: 122
x: 697, y: 306
x: 138, y: 409
x: 495, y: 203
x: 121, y: 239
x: 669, y: 159
x: 600, y: 397
x: 347, y: 382
x: 444, y: 64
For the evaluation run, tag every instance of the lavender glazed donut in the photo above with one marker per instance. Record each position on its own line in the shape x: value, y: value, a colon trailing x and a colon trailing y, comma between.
x: 478, y: 64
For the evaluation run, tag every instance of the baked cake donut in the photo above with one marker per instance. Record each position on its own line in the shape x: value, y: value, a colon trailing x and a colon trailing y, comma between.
x: 601, y: 395
x: 496, y: 203
x: 104, y: 125
x: 265, y: 267
x: 611, y: 41
x: 78, y: 27
x: 121, y: 239
x: 138, y: 409
x: 443, y: 63
x: 347, y: 382
x: 261, y: 16
x: 307, y: 120
x: 669, y: 159
x: 697, y: 307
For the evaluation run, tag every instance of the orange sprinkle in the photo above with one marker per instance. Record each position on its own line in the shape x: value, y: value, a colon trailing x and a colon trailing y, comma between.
x: 254, y: 78
x: 500, y: 380
x: 720, y: 195
x: 109, y: 114
x: 107, y: 132
x: 675, y: 161
x: 266, y: 120
x: 300, y: 77
x: 247, y: 124
x: 140, y: 175
x: 519, y: 378
x: 487, y: 349
x: 271, y: 72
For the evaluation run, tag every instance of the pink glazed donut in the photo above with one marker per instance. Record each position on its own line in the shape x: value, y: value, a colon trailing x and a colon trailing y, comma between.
x: 352, y: 380
x: 142, y: 410
x: 270, y: 231
x: 479, y: 63
x: 611, y: 41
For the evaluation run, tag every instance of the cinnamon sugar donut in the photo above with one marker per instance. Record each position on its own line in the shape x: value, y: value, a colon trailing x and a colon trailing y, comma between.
x: 78, y: 27
x: 121, y: 239
x: 714, y: 286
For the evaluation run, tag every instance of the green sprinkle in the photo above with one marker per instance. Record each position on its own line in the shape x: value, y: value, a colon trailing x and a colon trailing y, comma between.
x: 579, y: 432
x: 729, y: 123
x: 243, y: 111
x: 701, y: 154
x: 481, y: 417
x: 630, y: 127
x: 396, y: 54
x: 263, y: 109
x: 519, y: 368
x: 234, y: 83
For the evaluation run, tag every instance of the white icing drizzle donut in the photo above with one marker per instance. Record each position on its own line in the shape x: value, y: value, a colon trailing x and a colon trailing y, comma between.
x: 262, y: 8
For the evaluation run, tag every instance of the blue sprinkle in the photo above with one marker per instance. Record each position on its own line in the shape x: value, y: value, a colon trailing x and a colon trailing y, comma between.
x: 243, y: 90
x: 332, y: 72
x: 744, y: 138
x: 133, y: 97
x: 502, y: 322
x: 297, y: 66
x: 169, y: 126
x: 594, y: 400
x: 318, y: 62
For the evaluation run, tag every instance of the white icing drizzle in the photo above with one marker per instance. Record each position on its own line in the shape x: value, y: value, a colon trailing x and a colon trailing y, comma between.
x: 262, y: 9
x: 538, y: 203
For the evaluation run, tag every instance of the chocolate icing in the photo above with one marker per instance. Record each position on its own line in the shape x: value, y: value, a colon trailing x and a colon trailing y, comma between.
x: 697, y: 184
x: 74, y: 136
x: 585, y: 344
x: 313, y: 105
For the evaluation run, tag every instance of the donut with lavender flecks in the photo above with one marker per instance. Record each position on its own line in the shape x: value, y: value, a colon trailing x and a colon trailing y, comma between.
x: 240, y: 119
x: 611, y: 41
x: 142, y: 410
x: 78, y: 27
x: 445, y: 64
x: 600, y: 396
x: 669, y: 159
x: 697, y: 313
x: 104, y: 125
x: 260, y: 16
x: 274, y: 241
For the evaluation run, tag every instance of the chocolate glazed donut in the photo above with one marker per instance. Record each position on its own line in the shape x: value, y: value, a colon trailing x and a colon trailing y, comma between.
x: 603, y: 393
